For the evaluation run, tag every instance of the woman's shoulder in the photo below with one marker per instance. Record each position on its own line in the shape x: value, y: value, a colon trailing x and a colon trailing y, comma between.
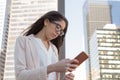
x: 22, y: 37
x: 22, y: 40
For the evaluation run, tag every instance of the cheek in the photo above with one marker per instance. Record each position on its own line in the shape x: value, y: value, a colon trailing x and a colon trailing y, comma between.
x: 48, y: 33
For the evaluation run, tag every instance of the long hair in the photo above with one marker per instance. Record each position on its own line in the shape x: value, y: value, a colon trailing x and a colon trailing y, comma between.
x: 39, y: 24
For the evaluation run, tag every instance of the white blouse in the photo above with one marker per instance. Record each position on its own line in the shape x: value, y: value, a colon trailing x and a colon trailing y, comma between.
x: 46, y: 56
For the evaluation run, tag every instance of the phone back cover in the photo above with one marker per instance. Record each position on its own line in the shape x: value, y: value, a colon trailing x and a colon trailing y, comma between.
x: 81, y: 57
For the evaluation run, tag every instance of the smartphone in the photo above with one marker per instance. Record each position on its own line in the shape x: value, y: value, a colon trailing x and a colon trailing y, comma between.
x: 81, y: 57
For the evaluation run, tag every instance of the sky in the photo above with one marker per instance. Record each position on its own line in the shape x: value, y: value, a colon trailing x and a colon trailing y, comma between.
x: 115, y: 12
x: 75, y: 34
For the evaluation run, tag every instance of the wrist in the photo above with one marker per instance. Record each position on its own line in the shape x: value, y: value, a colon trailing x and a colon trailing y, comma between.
x: 50, y: 68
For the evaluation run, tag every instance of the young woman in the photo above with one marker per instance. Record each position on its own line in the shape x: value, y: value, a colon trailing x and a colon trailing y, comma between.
x: 36, y: 52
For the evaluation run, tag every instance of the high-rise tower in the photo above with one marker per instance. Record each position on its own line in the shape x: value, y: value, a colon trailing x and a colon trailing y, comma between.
x: 4, y: 21
x: 98, y: 15
x: 105, y: 53
x: 2, y: 15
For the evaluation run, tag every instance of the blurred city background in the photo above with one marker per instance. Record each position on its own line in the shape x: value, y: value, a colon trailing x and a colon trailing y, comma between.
x: 94, y: 27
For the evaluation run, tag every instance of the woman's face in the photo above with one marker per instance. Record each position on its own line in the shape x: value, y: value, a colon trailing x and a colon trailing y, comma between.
x: 54, y: 29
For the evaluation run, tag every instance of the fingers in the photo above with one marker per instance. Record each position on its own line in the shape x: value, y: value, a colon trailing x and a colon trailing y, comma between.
x: 70, y: 67
x: 74, y: 61
x: 66, y: 65
x: 69, y: 76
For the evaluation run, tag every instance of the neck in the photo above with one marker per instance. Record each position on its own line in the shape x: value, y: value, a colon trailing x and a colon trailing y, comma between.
x: 42, y: 36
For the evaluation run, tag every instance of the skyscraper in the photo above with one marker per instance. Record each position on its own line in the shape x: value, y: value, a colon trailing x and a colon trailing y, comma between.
x: 2, y: 15
x: 4, y: 20
x: 22, y: 14
x: 98, y: 15
x: 105, y: 53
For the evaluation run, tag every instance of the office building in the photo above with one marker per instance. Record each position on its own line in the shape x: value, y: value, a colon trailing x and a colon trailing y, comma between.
x: 2, y: 18
x: 98, y: 15
x: 4, y: 21
x: 105, y: 53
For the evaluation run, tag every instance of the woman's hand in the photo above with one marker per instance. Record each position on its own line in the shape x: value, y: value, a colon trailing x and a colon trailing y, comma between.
x: 64, y: 65
x: 69, y: 76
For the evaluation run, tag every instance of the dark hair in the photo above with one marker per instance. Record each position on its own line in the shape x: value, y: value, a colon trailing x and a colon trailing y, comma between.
x: 39, y: 24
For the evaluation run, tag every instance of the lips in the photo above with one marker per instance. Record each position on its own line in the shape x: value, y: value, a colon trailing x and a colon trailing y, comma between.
x: 54, y: 35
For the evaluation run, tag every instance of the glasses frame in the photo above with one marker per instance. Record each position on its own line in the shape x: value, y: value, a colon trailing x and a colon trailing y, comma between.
x: 58, y: 28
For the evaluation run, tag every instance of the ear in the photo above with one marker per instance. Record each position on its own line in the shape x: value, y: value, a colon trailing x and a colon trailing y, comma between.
x: 46, y: 22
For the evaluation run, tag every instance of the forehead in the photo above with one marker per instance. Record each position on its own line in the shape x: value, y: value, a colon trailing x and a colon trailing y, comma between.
x: 62, y: 23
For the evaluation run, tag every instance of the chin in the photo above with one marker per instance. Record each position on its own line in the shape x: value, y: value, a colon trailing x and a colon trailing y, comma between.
x: 53, y: 37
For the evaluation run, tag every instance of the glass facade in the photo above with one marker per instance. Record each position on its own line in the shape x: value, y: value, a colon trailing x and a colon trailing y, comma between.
x: 2, y: 18
x: 108, y: 53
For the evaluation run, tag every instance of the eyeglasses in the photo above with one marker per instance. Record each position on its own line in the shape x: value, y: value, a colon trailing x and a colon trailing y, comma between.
x: 58, y: 28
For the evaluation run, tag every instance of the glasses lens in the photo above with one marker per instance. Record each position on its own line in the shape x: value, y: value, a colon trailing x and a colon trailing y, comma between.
x: 61, y: 33
x: 58, y: 28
